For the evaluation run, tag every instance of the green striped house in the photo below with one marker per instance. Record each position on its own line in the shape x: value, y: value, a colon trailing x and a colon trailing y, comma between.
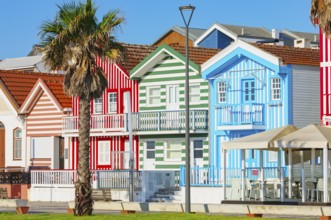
x: 160, y: 122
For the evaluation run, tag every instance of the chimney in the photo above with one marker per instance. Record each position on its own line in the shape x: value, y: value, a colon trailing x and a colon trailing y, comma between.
x: 302, y: 43
x: 275, y: 33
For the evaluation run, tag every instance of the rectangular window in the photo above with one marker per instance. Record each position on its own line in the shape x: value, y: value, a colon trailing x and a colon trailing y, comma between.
x: 174, y: 151
x: 153, y: 95
x: 150, y: 149
x: 17, y: 144
x: 112, y: 102
x: 194, y: 93
x: 249, y: 90
x: 98, y: 106
x: 198, y: 149
x: 275, y: 89
x: 221, y: 92
x: 104, y: 153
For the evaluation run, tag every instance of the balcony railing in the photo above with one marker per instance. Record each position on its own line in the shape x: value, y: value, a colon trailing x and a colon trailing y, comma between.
x: 101, y: 123
x: 241, y: 114
x: 169, y: 120
x: 141, y: 121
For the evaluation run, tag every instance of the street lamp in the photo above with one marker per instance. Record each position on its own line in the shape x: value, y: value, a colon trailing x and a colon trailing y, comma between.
x: 189, y: 9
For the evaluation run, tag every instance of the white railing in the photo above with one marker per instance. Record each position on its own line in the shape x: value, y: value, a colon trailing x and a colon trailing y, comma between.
x: 169, y: 120
x: 240, y: 114
x: 53, y: 177
x: 118, y: 179
x: 111, y: 122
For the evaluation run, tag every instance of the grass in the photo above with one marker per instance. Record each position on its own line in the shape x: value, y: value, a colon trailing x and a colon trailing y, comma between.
x: 143, y: 216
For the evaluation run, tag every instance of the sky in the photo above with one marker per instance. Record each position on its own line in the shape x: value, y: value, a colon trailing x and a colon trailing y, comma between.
x: 147, y: 20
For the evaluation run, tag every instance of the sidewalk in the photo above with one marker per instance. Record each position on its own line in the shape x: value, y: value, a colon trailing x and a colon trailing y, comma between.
x: 51, y: 207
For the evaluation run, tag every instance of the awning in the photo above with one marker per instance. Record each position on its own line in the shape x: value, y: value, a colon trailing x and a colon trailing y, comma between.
x: 311, y: 136
x: 261, y: 140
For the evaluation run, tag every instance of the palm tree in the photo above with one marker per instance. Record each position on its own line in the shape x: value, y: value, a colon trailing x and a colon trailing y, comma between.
x: 72, y: 42
x: 320, y: 13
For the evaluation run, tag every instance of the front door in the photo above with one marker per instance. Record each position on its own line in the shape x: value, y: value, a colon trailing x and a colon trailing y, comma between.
x: 197, y: 153
x: 172, y: 97
x: 126, y: 156
x: 2, y: 145
x: 149, y: 155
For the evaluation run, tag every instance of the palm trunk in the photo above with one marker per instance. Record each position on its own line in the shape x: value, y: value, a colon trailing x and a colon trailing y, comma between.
x: 83, y: 201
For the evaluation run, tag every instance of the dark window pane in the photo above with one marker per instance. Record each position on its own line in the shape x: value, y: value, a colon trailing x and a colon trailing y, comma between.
x: 150, y: 154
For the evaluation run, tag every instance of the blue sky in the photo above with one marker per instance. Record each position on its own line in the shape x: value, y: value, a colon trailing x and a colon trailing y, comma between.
x: 146, y: 20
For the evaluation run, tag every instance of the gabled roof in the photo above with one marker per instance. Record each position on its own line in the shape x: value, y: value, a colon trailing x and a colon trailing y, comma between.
x: 18, y: 84
x: 23, y: 63
x: 194, y: 33
x: 273, y: 55
x: 312, y: 37
x: 134, y: 54
x: 235, y: 32
x: 197, y: 56
x: 54, y: 89
x: 293, y: 55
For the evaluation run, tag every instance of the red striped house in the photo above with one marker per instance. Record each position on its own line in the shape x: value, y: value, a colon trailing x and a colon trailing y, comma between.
x: 109, y: 141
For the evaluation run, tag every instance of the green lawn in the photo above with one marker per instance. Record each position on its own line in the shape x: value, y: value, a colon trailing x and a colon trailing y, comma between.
x: 156, y: 216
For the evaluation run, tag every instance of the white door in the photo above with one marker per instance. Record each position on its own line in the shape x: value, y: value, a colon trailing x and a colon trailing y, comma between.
x: 197, y: 153
x: 172, y: 97
x: 149, y: 155
x: 126, y: 157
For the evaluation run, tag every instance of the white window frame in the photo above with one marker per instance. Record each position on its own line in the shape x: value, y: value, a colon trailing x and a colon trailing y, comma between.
x: 221, y: 91
x: 17, y: 148
x: 104, y: 153
x: 198, y: 149
x: 274, y: 89
x: 148, y: 96
x: 112, y: 103
x: 97, y: 104
x: 197, y: 94
x: 178, y: 145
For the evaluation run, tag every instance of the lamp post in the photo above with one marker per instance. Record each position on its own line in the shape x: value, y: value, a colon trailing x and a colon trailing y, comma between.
x: 189, y: 9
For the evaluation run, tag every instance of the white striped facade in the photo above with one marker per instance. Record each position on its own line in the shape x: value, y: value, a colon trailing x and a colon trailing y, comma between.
x: 45, y: 119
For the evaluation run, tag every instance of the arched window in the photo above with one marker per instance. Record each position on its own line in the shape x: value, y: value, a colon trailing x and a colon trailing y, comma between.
x: 17, y: 150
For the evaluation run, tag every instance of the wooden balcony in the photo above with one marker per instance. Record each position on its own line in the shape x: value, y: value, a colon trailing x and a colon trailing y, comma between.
x: 141, y: 122
x: 240, y: 116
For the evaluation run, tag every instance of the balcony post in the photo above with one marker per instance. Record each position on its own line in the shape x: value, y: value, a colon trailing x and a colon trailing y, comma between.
x: 158, y: 121
x: 193, y: 120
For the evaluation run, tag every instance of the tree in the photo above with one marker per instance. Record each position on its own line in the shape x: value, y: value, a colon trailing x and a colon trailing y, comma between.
x: 320, y: 13
x: 72, y: 42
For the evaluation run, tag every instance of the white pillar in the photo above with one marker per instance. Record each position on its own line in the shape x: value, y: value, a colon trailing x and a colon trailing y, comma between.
x: 279, y: 161
x: 224, y: 173
x: 243, y: 174
x: 325, y: 174
x: 290, y: 173
x: 262, y: 175
x: 302, y: 177
x: 313, y: 161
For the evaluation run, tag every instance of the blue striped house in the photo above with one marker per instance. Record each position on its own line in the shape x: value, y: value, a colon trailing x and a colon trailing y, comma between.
x: 257, y: 87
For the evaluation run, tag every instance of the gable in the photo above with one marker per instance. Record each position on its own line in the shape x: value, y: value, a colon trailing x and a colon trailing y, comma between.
x: 44, y: 117
x: 4, y: 105
x: 167, y: 57
x: 216, y: 39
x: 7, y: 102
x: 234, y: 53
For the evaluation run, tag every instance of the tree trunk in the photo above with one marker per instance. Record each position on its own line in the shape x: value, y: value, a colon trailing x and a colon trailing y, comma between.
x: 83, y: 201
